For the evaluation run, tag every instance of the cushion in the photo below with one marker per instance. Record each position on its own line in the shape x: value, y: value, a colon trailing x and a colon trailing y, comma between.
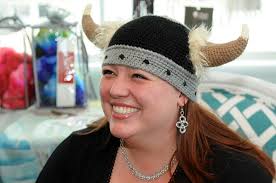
x: 243, y: 108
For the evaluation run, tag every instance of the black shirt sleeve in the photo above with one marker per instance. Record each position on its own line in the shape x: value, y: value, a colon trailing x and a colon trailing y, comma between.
x: 57, y: 168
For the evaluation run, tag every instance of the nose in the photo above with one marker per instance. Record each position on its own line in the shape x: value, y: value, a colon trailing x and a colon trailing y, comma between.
x: 119, y: 88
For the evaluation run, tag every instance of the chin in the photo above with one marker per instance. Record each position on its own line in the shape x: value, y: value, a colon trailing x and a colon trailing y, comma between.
x: 119, y: 134
x: 120, y: 131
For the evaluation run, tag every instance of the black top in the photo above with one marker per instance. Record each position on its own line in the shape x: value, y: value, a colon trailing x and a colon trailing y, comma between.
x: 90, y: 159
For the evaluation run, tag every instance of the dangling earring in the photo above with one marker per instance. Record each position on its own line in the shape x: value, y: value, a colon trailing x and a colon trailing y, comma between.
x: 182, y: 123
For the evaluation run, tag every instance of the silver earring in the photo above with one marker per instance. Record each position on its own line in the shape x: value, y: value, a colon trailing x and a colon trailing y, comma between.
x: 182, y: 123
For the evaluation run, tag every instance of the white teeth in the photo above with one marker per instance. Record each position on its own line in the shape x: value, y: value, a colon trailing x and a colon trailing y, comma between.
x: 124, y: 110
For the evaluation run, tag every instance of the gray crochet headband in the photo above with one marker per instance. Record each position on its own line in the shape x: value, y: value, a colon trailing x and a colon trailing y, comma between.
x: 162, y: 47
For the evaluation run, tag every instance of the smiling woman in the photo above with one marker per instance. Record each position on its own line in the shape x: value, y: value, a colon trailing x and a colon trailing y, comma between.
x: 154, y: 130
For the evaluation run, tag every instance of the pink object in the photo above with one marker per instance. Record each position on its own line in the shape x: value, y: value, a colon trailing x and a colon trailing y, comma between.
x: 12, y: 87
x: 3, y: 79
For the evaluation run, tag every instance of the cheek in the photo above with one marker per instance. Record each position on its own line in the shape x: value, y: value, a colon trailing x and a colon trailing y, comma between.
x: 104, y: 94
x: 149, y: 97
x: 162, y: 98
x: 104, y: 90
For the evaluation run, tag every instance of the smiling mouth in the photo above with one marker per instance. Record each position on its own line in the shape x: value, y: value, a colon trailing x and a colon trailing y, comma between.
x: 124, y: 110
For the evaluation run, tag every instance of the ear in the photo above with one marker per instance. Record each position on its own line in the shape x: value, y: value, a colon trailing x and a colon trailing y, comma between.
x: 182, y: 100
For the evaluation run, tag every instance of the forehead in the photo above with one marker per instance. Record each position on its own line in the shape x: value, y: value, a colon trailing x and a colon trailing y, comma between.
x: 126, y: 68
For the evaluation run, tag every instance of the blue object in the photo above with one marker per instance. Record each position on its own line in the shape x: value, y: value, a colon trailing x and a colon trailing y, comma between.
x: 48, y: 95
x: 46, y: 68
x: 46, y: 41
x: 80, y: 92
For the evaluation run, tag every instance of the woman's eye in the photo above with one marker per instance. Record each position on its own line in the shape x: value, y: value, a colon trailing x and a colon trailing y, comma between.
x: 139, y: 76
x: 107, y: 72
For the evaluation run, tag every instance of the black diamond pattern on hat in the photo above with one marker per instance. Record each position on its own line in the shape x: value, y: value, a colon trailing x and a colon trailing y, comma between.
x: 146, y: 61
x: 121, y: 56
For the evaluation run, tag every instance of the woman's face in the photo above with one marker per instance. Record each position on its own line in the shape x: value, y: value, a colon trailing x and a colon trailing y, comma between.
x: 136, y: 102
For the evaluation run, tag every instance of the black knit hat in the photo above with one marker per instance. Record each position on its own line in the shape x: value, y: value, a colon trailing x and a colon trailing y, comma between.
x: 157, y: 34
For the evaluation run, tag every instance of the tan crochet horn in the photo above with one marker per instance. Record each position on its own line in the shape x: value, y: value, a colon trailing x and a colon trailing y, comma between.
x: 100, y: 35
x: 219, y: 54
x: 89, y: 26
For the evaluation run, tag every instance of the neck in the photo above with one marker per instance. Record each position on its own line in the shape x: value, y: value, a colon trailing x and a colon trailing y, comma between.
x: 149, y: 153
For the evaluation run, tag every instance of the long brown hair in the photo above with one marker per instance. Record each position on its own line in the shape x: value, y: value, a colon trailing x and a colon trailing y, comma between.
x: 205, y: 131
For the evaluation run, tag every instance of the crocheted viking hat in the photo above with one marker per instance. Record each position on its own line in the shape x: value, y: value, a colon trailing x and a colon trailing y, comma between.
x: 162, y: 47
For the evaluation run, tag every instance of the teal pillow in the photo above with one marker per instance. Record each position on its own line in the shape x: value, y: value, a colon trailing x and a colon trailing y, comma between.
x: 249, y: 115
x: 18, y: 161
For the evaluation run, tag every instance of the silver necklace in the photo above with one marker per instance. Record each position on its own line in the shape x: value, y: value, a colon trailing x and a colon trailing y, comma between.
x: 137, y: 173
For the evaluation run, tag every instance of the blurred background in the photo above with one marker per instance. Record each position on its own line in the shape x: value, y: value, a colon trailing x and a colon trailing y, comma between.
x: 50, y: 72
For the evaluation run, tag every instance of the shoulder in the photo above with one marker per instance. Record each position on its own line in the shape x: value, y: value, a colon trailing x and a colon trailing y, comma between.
x: 238, y: 167
x: 73, y: 154
x: 92, y: 139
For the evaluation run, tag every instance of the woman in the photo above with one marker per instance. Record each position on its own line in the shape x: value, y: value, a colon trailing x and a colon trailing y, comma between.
x: 153, y: 129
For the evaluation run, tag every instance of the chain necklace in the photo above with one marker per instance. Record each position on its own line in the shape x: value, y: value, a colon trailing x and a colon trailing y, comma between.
x: 137, y: 173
